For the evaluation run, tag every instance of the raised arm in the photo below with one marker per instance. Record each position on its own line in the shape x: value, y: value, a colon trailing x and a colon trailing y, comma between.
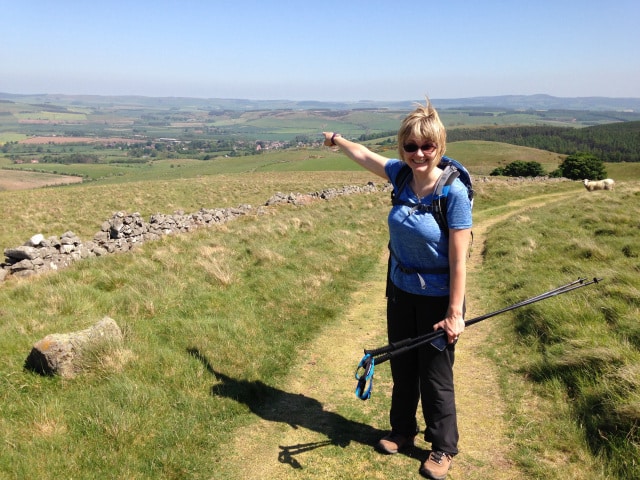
x: 360, y: 154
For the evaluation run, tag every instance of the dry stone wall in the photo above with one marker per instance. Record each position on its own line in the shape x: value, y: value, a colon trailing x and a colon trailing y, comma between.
x: 124, y: 232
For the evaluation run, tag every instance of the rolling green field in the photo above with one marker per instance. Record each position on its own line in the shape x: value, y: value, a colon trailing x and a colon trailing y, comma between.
x: 148, y: 118
x: 173, y: 178
x: 242, y: 301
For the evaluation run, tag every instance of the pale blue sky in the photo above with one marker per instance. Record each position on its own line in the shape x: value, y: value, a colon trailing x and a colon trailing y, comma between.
x: 345, y: 50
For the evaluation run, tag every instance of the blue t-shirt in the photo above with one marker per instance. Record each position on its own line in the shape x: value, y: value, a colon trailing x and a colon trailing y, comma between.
x: 416, y: 240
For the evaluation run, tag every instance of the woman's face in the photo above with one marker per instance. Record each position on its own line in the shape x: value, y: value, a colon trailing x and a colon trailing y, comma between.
x: 419, y: 154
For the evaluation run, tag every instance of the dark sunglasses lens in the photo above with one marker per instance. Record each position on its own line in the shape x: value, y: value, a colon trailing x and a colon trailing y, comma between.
x: 429, y: 147
x: 410, y: 148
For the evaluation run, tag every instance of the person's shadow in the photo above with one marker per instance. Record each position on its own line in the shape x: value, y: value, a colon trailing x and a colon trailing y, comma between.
x: 296, y: 410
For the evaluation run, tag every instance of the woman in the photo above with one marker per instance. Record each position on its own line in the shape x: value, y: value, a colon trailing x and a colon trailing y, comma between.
x: 426, y: 291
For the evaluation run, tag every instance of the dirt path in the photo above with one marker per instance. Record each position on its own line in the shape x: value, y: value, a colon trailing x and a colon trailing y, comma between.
x: 323, y: 432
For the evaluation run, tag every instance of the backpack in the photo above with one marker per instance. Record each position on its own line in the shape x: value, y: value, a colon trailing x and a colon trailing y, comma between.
x: 451, y: 169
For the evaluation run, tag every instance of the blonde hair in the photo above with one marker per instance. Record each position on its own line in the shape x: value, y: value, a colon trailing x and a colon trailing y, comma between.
x: 424, y: 123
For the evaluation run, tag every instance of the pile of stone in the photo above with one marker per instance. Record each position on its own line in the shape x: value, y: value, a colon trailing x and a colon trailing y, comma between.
x: 327, y: 194
x: 41, y: 254
x: 121, y: 233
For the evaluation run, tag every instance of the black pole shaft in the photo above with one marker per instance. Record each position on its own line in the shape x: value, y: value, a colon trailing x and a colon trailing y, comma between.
x: 552, y: 293
x: 403, y: 346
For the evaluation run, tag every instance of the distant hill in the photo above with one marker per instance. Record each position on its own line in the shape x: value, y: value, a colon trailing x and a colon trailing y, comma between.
x: 512, y: 102
x: 544, y: 102
x: 613, y: 142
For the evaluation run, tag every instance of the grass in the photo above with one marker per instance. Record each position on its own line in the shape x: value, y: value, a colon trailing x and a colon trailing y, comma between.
x: 51, y: 116
x: 289, y: 160
x: 247, y: 295
x: 241, y: 301
x: 480, y: 157
x: 82, y: 209
x: 576, y: 351
x: 489, y: 155
x: 11, y: 137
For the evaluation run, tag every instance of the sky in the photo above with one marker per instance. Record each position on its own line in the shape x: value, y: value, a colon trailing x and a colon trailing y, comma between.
x: 332, y: 50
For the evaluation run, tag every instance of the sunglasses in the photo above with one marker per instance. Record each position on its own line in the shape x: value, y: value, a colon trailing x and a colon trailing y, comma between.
x: 413, y: 148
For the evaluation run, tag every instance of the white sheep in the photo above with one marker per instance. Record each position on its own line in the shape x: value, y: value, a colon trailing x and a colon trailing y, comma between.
x: 606, y: 184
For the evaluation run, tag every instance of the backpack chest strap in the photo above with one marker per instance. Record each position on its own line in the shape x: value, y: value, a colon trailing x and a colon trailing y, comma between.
x: 411, y: 271
x: 414, y: 206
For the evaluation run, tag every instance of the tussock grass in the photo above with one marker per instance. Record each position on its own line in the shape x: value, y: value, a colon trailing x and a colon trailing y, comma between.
x: 581, y: 351
x: 237, y: 301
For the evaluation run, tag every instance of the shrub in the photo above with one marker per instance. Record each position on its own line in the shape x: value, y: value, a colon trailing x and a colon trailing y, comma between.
x: 520, y: 169
x: 581, y: 165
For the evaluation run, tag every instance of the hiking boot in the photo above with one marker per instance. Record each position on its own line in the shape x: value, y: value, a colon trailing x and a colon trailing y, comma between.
x: 394, y: 442
x: 436, y: 466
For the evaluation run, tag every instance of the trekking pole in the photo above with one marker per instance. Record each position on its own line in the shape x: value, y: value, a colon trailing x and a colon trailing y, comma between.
x: 366, y: 367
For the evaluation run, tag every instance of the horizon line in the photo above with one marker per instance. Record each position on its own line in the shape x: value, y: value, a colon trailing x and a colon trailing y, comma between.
x: 132, y: 95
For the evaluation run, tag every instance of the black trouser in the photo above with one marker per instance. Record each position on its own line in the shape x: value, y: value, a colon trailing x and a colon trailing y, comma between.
x: 422, y: 373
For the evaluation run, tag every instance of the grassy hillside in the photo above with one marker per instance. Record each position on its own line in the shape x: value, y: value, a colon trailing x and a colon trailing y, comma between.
x: 168, y: 185
x: 247, y: 297
x: 582, y: 351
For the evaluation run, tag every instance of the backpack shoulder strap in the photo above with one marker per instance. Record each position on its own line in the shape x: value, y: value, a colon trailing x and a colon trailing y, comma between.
x: 463, y: 174
x: 449, y: 173
x: 404, y: 176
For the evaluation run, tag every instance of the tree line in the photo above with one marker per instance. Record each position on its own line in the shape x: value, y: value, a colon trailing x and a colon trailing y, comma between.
x: 615, y: 142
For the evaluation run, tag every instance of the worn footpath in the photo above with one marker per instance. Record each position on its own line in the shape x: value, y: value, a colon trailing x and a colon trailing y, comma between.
x: 317, y: 428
